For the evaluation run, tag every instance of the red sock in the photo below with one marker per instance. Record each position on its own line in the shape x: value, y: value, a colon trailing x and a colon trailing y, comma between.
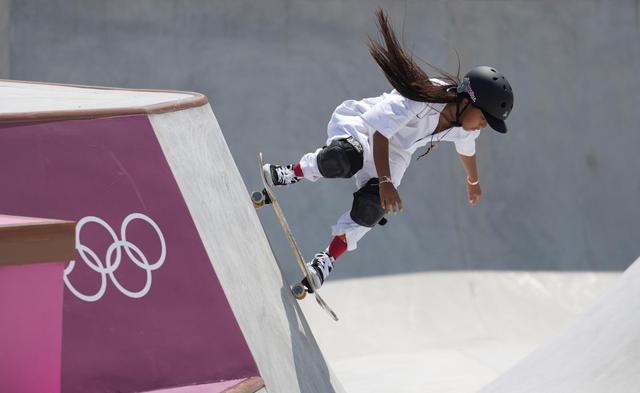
x: 297, y: 170
x: 337, y: 247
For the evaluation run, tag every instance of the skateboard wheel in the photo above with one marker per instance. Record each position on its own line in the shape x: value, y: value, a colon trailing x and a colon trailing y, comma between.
x: 258, y: 199
x: 299, y: 291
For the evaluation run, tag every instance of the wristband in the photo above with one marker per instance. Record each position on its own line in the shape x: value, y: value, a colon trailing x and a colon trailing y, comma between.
x: 384, y: 179
x: 475, y: 183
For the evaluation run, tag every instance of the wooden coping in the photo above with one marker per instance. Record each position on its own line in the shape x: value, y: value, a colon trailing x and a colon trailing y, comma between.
x: 250, y: 385
x: 25, y: 240
x: 194, y: 100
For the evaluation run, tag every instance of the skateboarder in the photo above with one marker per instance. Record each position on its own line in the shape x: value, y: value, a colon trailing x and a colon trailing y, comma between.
x: 374, y: 139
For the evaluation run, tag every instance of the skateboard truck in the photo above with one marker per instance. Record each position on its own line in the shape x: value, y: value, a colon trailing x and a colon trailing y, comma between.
x: 299, y: 291
x: 260, y: 198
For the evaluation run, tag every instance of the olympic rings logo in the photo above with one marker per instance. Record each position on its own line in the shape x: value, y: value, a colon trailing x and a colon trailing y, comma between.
x: 113, y: 257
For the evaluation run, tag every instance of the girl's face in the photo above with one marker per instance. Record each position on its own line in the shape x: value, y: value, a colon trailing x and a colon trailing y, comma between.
x: 473, y: 119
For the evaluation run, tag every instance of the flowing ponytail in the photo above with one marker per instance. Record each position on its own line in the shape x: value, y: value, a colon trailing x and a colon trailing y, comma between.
x: 403, y: 73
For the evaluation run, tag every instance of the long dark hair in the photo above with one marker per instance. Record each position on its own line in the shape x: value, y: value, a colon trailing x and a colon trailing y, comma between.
x: 402, y: 71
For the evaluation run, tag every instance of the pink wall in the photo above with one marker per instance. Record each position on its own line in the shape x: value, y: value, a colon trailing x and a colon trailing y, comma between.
x: 31, y: 328
x: 143, y: 307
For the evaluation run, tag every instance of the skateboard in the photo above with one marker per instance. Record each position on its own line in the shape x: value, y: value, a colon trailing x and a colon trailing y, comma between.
x: 268, y: 197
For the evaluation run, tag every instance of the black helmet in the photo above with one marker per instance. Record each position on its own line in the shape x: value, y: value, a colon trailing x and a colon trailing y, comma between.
x: 490, y: 92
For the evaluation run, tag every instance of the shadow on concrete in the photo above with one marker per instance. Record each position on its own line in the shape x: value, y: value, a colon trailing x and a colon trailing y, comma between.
x: 310, y: 372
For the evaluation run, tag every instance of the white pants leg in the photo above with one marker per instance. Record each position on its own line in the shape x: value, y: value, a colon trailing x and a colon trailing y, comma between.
x: 309, y: 166
x: 345, y: 225
x: 309, y: 162
x: 352, y: 231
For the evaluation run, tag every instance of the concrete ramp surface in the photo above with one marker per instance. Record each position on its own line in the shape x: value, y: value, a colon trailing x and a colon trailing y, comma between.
x: 173, y: 286
x: 598, y: 353
x: 486, y: 331
x: 275, y: 328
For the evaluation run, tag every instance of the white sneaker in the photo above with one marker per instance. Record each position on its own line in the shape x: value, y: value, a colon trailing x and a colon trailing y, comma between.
x: 320, y: 267
x: 278, y: 175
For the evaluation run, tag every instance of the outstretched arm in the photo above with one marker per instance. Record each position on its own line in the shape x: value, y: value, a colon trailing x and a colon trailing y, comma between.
x: 473, y: 182
x: 469, y: 163
x: 389, y: 197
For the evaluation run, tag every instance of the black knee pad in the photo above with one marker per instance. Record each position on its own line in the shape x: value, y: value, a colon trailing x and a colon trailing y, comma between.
x: 367, y: 209
x: 341, y: 159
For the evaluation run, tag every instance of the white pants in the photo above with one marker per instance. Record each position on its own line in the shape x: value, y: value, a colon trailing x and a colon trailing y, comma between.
x: 340, y: 126
x: 345, y: 225
x: 309, y: 165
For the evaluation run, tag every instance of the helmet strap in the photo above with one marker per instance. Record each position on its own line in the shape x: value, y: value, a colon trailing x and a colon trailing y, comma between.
x: 459, y: 89
x: 458, y: 122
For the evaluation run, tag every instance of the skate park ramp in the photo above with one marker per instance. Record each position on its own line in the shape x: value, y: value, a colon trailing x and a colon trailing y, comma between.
x: 161, y: 158
x: 599, y: 352
x: 456, y: 332
x: 173, y: 287
x: 451, y: 296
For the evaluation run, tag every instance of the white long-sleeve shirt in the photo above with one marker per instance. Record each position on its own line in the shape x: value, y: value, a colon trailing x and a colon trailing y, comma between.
x: 407, y: 124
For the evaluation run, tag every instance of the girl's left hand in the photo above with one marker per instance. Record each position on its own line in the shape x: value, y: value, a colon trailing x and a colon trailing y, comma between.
x: 473, y: 194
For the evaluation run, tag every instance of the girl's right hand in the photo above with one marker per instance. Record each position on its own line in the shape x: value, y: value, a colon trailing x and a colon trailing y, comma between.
x: 389, y: 198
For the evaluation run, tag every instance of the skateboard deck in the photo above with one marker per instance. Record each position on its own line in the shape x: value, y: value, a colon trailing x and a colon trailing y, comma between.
x: 268, y: 197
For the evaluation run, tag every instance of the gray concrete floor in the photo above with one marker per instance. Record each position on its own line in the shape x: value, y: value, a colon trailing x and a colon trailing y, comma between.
x: 446, y: 332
